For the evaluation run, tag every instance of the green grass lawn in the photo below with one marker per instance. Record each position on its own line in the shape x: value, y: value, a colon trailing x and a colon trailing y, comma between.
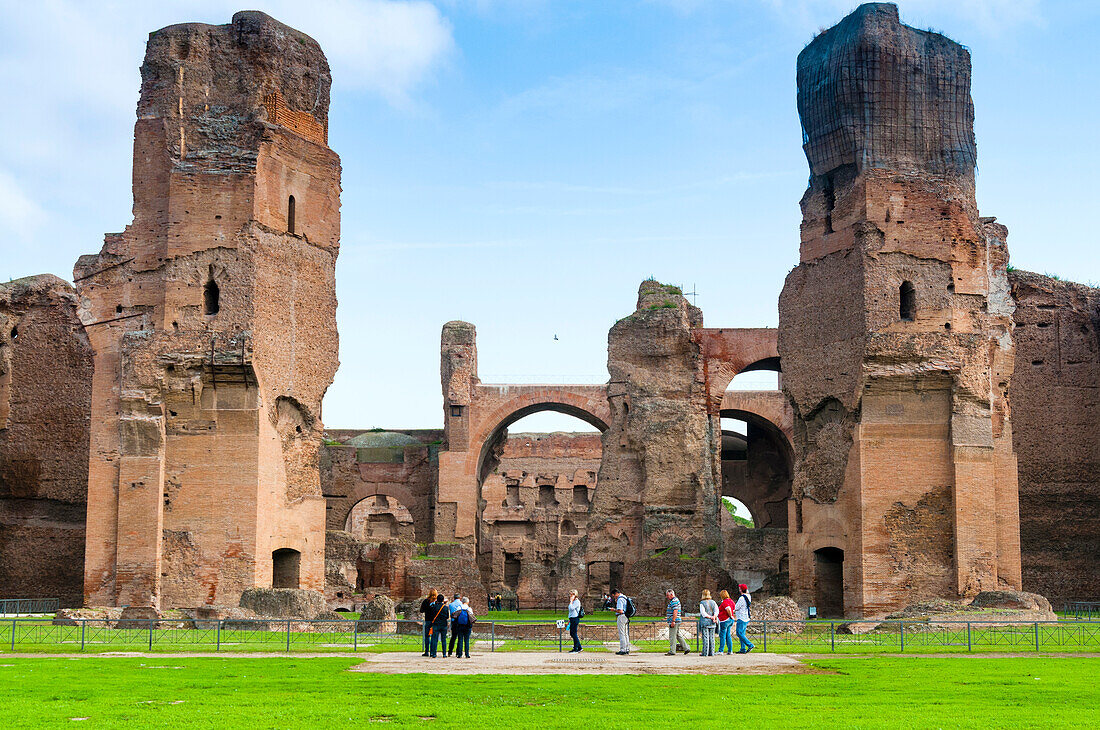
x: 857, y: 692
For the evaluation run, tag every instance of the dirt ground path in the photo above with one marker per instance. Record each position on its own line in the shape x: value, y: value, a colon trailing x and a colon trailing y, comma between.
x: 515, y: 662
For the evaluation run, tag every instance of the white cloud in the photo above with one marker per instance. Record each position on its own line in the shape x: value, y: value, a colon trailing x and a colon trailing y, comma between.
x: 19, y: 215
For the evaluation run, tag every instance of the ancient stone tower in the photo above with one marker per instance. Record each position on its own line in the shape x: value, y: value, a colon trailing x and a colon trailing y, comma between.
x: 895, y: 332
x: 212, y: 319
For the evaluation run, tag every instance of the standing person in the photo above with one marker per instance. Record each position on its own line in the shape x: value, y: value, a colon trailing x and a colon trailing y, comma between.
x: 673, y: 615
x: 725, y: 623
x: 741, y: 612
x: 452, y: 608
x: 438, y: 611
x: 574, y: 620
x: 425, y: 607
x: 708, y: 621
x: 462, y: 622
x: 622, y: 622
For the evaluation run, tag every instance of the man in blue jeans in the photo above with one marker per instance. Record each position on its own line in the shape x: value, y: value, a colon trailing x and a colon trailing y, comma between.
x: 741, y: 613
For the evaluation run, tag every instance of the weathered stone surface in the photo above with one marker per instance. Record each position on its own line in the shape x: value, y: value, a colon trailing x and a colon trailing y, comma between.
x: 138, y: 617
x: 895, y: 332
x: 73, y: 616
x: 212, y: 319
x: 1056, y: 431
x: 1015, y: 600
x: 45, y: 406
x: 285, y: 603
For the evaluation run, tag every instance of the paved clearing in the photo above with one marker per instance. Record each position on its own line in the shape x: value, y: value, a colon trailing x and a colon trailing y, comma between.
x: 509, y: 662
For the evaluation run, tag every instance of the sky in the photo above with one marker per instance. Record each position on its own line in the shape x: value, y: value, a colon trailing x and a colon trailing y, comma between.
x: 525, y: 164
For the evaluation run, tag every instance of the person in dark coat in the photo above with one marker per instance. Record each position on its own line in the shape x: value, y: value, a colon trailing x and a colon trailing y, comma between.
x: 425, y: 607
x: 438, y: 630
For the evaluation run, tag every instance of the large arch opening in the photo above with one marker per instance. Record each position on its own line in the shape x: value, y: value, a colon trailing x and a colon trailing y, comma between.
x: 763, y: 374
x: 757, y: 466
x: 536, y: 482
x: 379, y: 518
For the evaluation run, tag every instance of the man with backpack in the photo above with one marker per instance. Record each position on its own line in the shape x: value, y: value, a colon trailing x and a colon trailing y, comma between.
x: 624, y: 607
x: 741, y: 613
x: 452, y: 608
x: 462, y: 622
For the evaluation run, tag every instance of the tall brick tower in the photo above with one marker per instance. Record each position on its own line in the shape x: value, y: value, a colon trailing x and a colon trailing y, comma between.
x: 895, y: 331
x: 212, y: 319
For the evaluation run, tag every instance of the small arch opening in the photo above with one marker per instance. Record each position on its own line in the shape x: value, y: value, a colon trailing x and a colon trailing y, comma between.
x: 14, y: 332
x: 285, y: 568
x: 211, y: 297
x: 290, y: 215
x: 908, y: 295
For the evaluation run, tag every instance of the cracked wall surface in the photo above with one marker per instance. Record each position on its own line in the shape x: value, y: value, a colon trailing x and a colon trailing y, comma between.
x: 896, y: 329
x: 212, y: 319
x: 45, y: 406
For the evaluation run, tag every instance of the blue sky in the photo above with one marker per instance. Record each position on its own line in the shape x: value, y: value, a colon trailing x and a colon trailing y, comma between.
x: 524, y: 164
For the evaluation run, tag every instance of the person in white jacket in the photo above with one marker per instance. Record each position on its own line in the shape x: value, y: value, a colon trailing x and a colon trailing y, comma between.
x: 741, y: 612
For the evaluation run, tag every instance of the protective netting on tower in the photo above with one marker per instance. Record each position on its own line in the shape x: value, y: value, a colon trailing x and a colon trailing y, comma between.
x: 875, y: 93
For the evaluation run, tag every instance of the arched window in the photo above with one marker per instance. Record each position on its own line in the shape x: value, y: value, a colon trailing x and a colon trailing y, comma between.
x: 211, y: 297
x: 908, y: 301
x: 290, y: 215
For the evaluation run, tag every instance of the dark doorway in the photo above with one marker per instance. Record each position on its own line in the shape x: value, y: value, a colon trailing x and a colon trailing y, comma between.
x: 908, y: 296
x: 512, y: 567
x: 829, y: 582
x: 285, y: 564
x: 211, y: 298
x: 616, y: 575
x: 290, y: 215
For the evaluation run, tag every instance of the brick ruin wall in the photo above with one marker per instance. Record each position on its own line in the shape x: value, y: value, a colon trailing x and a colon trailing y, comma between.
x: 45, y: 405
x: 895, y: 332
x: 212, y: 319
x: 905, y: 449
x: 1056, y: 429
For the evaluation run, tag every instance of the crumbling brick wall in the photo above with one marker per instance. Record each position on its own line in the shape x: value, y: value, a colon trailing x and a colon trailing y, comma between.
x: 1056, y: 430
x: 212, y: 319
x: 895, y: 330
x: 45, y: 402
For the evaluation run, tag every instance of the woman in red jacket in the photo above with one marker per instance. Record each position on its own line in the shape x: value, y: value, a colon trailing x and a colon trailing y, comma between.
x: 725, y: 623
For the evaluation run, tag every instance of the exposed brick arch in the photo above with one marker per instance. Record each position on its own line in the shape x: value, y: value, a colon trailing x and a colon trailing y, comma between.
x: 728, y: 352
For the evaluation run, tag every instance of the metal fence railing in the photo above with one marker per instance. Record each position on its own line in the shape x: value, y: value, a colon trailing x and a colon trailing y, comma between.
x: 256, y: 635
x: 25, y: 606
x: 1083, y: 610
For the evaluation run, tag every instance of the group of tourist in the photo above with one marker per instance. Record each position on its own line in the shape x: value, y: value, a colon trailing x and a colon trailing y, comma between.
x: 714, y: 618
x: 439, y: 615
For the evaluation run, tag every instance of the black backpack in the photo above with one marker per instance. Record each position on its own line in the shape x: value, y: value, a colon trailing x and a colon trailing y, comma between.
x: 630, y: 610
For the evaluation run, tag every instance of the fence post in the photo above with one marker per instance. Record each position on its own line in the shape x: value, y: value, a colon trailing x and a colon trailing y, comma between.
x: 151, y: 622
x: 765, y: 624
x: 83, y: 625
x: 218, y: 635
x: 355, y: 635
x: 1036, y: 636
x: 901, y: 626
x: 559, y: 641
x: 832, y: 636
x: 968, y: 637
x: 288, y: 636
x: 13, y: 635
x: 493, y: 636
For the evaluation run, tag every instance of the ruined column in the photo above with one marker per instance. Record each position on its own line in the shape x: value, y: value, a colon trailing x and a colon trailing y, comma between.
x: 895, y: 331
x: 212, y: 321
x: 658, y: 479
x: 456, y: 502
